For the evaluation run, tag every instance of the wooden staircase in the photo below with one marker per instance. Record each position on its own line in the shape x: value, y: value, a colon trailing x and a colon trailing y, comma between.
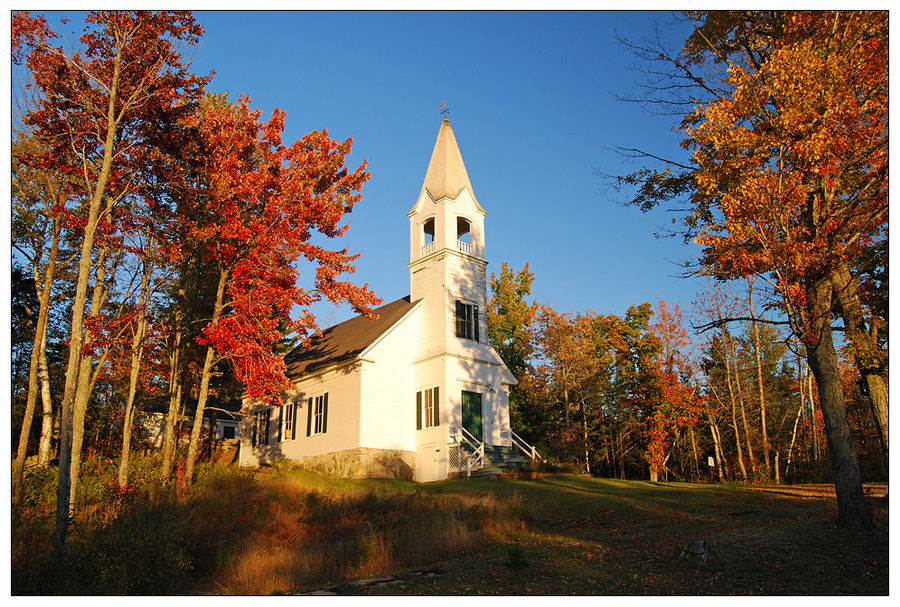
x: 499, y: 459
x: 471, y: 458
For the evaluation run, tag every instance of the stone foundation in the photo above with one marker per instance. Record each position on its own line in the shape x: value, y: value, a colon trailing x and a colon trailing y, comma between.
x: 362, y: 462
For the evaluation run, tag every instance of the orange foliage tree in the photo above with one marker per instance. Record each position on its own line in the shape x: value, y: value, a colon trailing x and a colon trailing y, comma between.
x: 675, y: 404
x: 788, y: 181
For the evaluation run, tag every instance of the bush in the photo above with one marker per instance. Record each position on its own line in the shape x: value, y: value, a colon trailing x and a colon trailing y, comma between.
x: 146, y: 549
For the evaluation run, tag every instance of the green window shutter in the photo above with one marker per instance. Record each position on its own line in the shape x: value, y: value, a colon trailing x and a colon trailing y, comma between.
x: 325, y: 414
x: 253, y: 431
x: 309, y: 408
x: 418, y: 410
x: 294, y: 424
x: 475, y: 321
x: 268, y: 417
x: 460, y: 319
x: 280, y: 415
x: 437, y: 411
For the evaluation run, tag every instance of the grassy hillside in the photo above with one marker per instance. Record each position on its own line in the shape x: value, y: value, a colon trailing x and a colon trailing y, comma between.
x: 283, y: 531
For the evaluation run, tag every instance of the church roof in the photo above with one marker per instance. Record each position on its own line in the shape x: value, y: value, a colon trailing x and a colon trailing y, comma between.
x: 345, y: 341
x: 446, y: 175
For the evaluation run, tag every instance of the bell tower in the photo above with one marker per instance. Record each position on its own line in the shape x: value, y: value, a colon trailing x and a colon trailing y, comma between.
x: 447, y: 254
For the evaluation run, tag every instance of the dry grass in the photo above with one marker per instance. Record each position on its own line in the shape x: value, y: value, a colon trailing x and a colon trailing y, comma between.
x: 248, y: 533
x: 283, y: 531
x: 318, y: 536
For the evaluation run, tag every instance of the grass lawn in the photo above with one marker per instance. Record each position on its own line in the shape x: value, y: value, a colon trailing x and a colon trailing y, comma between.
x: 599, y: 536
x: 282, y: 531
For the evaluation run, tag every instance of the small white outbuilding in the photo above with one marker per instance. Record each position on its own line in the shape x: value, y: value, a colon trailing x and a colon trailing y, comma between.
x: 419, y: 393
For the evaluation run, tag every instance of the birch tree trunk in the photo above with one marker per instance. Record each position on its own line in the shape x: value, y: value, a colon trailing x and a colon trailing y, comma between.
x: 587, y: 457
x: 40, y: 338
x: 759, y: 378
x: 740, y: 391
x: 718, y: 454
x: 46, y: 444
x: 696, y: 457
x: 787, y: 468
x: 737, y: 434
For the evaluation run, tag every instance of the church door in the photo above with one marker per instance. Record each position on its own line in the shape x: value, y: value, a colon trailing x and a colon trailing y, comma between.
x: 471, y: 413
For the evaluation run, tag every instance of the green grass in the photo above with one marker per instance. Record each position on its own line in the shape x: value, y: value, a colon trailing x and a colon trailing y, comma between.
x: 598, y: 536
x: 285, y: 531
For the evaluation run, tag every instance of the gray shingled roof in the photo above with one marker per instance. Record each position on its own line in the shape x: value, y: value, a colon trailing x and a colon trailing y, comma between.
x: 344, y: 341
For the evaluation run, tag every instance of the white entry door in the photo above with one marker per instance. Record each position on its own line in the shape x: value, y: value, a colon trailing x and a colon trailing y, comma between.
x: 427, y: 463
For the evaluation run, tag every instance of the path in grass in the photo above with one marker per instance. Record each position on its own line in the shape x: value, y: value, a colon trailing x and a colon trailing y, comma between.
x: 595, y: 536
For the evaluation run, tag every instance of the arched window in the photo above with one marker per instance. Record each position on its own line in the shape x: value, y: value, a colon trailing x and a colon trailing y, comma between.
x: 428, y: 236
x: 463, y: 235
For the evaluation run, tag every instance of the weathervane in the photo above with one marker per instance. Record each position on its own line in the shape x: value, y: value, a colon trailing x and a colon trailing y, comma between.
x: 445, y: 110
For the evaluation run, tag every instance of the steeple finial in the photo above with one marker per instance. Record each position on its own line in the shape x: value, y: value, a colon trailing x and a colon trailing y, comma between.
x: 445, y: 110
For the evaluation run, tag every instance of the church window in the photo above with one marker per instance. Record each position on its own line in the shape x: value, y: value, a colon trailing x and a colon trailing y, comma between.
x: 317, y: 415
x: 289, y: 417
x: 466, y: 321
x: 427, y: 408
x: 260, y: 429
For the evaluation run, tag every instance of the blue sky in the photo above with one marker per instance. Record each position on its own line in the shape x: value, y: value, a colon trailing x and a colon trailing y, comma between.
x: 532, y: 103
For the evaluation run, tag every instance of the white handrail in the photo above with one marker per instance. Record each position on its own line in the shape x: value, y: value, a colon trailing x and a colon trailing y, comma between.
x: 524, y: 447
x: 461, y: 435
x: 464, y: 247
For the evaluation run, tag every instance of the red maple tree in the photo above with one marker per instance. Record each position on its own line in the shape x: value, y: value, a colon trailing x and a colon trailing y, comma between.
x: 253, y: 217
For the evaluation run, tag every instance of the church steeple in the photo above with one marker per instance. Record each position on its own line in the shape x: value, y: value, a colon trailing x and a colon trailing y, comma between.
x: 446, y: 214
x: 447, y: 253
x: 446, y: 175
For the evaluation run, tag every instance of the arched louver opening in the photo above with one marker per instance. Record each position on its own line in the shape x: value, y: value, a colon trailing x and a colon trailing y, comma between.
x: 464, y: 235
x: 428, y: 237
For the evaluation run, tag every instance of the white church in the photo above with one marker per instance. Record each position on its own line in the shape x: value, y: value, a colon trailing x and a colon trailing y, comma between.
x: 419, y: 393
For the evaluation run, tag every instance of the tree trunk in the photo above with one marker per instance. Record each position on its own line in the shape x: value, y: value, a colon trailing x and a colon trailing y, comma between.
x: 40, y: 338
x: 737, y: 434
x: 718, y: 454
x: 866, y: 351
x: 696, y: 457
x: 852, y: 507
x: 814, y: 423
x: 44, y: 449
x: 587, y: 456
x: 759, y: 380
x: 204, y: 384
x: 170, y: 440
x: 85, y: 384
x: 740, y: 391
x: 68, y: 431
x: 787, y: 468
x: 137, y: 352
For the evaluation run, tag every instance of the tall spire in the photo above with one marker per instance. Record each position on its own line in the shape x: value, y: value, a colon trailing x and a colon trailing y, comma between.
x: 446, y: 175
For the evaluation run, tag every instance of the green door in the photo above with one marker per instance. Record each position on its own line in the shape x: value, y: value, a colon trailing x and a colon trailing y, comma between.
x: 471, y: 413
